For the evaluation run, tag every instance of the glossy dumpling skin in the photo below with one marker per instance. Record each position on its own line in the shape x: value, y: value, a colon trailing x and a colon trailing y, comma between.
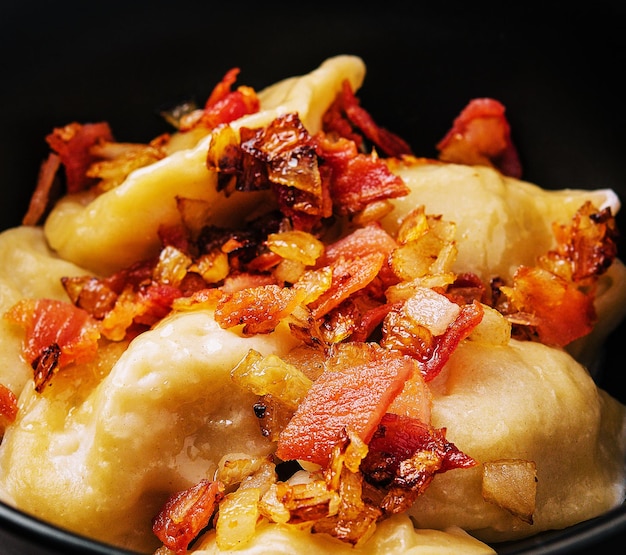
x: 110, y: 441
x: 527, y: 401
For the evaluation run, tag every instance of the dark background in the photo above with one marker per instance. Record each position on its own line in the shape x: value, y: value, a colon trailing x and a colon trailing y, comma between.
x: 558, y: 72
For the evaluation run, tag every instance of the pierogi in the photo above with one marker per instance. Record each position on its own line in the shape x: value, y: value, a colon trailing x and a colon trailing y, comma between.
x: 101, y: 448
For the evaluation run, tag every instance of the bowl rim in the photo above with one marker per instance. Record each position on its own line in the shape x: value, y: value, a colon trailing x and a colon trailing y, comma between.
x: 552, y: 542
x: 36, y: 531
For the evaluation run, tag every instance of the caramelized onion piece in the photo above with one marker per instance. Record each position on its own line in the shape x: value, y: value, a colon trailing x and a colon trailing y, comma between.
x: 512, y: 485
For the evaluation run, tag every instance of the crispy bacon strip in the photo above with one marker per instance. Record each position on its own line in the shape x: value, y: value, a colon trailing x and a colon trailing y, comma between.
x: 259, y: 309
x: 186, y: 514
x: 356, y: 179
x: 431, y: 351
x: 586, y: 248
x: 481, y: 135
x: 223, y: 104
x: 561, y: 311
x: 56, y: 334
x: 346, y: 114
x: 353, y: 393
x: 558, y: 294
x: 41, y: 196
x: 349, y: 276
x: 73, y: 143
x: 403, y: 458
x: 8, y: 406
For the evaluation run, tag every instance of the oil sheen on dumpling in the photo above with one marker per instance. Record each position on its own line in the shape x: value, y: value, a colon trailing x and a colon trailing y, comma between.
x: 123, y: 222
x: 83, y: 454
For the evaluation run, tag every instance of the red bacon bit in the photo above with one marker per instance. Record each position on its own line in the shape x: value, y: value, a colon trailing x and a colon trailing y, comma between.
x: 259, y: 309
x: 555, y: 300
x: 561, y: 312
x: 345, y: 114
x: 364, y: 241
x: 481, y: 135
x: 432, y: 352
x: 223, y: 89
x: 73, y: 143
x: 224, y: 105
x: 244, y: 280
x: 586, y: 248
x: 40, y: 199
x: 349, y: 276
x: 356, y: 180
x: 369, y: 321
x: 8, y: 406
x: 155, y: 302
x: 56, y: 334
x: 403, y: 458
x: 186, y: 514
x: 353, y: 393
x: 469, y: 317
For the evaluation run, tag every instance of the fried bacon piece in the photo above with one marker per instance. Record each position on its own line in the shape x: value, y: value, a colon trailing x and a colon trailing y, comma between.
x: 186, y: 514
x: 56, y: 334
x: 223, y: 105
x: 586, y: 248
x: 8, y: 407
x: 259, y: 309
x: 73, y: 145
x: 128, y: 301
x: 40, y: 199
x: 560, y: 311
x: 349, y: 276
x: 404, y: 456
x: 481, y: 135
x: 348, y: 119
x: 554, y: 301
x: 359, y: 383
x: 311, y: 176
x: 413, y: 328
x: 356, y: 179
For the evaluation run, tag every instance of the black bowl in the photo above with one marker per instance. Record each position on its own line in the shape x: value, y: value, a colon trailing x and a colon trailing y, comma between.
x: 558, y: 74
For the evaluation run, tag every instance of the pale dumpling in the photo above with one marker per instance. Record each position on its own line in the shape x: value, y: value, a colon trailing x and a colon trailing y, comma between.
x: 525, y: 401
x: 501, y: 222
x: 83, y: 453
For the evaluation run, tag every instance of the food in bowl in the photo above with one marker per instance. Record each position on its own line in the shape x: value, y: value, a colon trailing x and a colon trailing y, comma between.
x: 278, y: 326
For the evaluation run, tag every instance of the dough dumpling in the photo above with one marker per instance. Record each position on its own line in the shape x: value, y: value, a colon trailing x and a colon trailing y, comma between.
x: 525, y: 401
x: 501, y: 222
x: 84, y: 453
